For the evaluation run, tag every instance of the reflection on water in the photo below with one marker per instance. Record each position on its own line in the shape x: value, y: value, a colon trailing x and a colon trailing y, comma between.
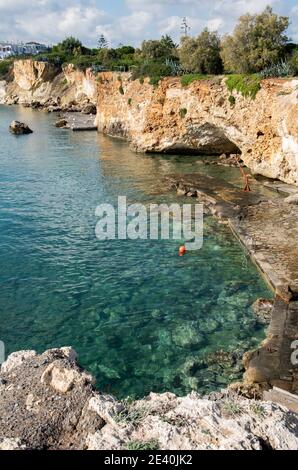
x: 140, y: 317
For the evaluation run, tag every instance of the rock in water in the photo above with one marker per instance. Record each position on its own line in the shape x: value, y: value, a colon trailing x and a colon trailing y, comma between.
x: 18, y: 128
x: 61, y: 123
x: 89, y: 109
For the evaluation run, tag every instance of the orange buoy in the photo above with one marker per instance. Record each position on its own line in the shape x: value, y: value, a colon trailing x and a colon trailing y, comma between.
x: 182, y: 250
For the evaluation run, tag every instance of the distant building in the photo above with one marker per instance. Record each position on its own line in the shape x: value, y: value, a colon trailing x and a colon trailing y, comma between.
x: 8, y: 49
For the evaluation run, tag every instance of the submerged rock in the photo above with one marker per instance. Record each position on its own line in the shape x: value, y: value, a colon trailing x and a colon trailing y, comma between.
x: 187, y: 335
x: 262, y: 308
x: 48, y: 402
x: 18, y: 128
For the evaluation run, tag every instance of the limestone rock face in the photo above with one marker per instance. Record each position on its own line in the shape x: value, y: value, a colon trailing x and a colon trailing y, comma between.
x: 42, y: 82
x: 29, y: 74
x: 264, y: 130
x: 292, y: 199
x: 2, y: 91
x: 19, y: 128
x: 15, y: 360
x: 48, y: 402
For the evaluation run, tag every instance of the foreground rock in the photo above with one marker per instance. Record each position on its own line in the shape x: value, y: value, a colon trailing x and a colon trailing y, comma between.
x: 19, y: 128
x: 48, y: 402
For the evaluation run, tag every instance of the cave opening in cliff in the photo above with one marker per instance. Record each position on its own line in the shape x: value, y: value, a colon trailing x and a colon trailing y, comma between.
x: 205, y: 139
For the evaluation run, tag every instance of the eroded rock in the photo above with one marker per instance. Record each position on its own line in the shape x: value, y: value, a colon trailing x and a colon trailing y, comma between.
x: 47, y: 403
x: 292, y: 199
x: 263, y: 310
x: 89, y: 109
x: 19, y: 128
x: 61, y: 123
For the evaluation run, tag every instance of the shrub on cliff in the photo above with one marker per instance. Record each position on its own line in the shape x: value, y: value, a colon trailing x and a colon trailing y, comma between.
x: 257, y: 42
x: 201, y: 54
x: 192, y: 77
x: 247, y: 85
x: 5, y: 66
x: 154, y: 70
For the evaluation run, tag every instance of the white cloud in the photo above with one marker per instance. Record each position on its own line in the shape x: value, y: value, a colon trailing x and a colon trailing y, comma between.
x: 215, y: 24
x: 130, y: 21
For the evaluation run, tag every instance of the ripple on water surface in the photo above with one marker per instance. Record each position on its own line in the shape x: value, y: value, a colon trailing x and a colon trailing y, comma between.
x: 140, y: 317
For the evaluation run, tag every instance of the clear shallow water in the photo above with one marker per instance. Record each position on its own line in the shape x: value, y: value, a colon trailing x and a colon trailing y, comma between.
x: 140, y: 317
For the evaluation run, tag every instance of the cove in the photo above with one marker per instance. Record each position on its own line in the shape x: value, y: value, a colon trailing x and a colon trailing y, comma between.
x: 141, y: 318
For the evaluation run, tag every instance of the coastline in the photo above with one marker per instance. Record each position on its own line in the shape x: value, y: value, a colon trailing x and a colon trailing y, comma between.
x: 250, y: 216
x: 268, y: 366
x: 55, y: 395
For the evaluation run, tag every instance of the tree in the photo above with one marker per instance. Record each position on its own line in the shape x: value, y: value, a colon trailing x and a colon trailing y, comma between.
x: 69, y: 46
x: 201, y: 54
x: 158, y: 49
x: 107, y: 56
x: 102, y: 42
x: 257, y: 42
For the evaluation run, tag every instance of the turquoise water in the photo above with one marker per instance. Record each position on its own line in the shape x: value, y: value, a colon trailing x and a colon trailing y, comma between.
x: 140, y: 317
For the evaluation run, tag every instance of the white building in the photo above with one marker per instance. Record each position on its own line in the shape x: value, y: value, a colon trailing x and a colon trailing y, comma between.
x: 8, y: 49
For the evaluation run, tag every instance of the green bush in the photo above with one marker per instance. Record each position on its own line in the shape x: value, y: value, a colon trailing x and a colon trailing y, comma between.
x: 129, y: 101
x: 183, y: 112
x: 5, y: 66
x: 121, y: 90
x: 247, y: 85
x: 192, y: 77
x: 281, y: 69
x: 232, y: 100
x: 154, y: 70
x: 294, y: 62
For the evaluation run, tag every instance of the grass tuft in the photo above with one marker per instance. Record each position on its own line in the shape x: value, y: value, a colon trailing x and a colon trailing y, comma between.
x: 142, y: 445
x: 131, y: 414
x: 192, y: 77
x: 247, y: 85
x: 231, y: 408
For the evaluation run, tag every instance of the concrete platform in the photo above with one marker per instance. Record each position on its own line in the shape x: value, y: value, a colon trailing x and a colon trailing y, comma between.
x: 268, y: 230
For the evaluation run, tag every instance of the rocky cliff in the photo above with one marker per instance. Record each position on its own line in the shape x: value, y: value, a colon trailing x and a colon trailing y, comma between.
x: 200, y: 118
x: 39, y: 82
x: 2, y: 91
x: 48, y: 402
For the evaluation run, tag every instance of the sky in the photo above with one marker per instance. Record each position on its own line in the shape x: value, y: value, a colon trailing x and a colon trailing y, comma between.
x: 127, y: 21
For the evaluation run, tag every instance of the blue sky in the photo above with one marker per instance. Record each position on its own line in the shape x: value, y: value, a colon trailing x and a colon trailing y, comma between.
x: 127, y: 21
